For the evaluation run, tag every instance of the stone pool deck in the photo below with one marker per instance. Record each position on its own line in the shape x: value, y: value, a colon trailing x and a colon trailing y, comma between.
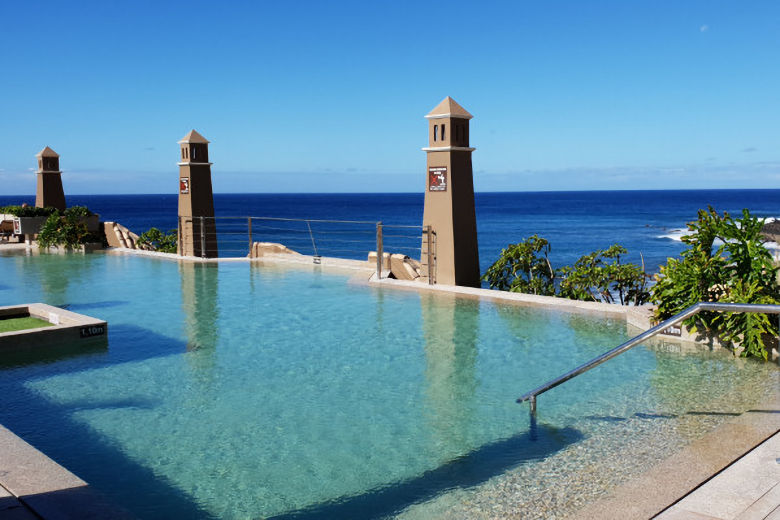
x: 749, y: 489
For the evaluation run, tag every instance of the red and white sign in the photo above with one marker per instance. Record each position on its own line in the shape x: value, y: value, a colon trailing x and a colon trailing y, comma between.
x: 437, y: 178
x: 184, y: 185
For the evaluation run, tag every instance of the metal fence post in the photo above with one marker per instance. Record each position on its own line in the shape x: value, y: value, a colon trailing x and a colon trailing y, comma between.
x: 431, y: 270
x: 379, y: 251
x: 249, y: 227
x: 202, y: 237
x: 317, y: 258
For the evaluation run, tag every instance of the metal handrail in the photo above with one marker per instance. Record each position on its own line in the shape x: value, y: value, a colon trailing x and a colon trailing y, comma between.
x: 687, y: 313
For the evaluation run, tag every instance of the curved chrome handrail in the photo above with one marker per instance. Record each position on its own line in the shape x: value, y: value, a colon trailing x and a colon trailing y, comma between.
x: 687, y: 313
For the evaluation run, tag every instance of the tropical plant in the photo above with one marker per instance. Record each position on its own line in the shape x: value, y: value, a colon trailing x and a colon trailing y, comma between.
x: 523, y: 267
x: 601, y: 277
x: 726, y: 261
x: 159, y: 241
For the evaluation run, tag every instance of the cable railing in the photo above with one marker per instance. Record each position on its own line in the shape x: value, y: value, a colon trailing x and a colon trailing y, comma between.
x: 636, y: 340
x: 345, y: 239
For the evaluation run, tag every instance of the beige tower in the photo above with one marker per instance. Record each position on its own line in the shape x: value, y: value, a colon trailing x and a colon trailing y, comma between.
x: 449, y: 195
x: 49, y: 193
x: 197, y: 230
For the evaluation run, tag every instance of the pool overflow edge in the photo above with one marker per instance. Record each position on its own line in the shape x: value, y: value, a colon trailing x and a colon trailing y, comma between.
x: 603, y: 358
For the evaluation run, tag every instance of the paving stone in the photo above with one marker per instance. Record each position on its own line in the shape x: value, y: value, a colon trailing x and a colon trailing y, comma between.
x: 762, y: 507
x: 749, y: 489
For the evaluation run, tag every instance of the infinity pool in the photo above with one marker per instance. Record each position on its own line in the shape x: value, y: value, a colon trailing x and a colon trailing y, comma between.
x: 254, y: 391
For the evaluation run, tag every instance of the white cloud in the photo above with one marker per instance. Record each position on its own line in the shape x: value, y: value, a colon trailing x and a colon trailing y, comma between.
x: 704, y: 28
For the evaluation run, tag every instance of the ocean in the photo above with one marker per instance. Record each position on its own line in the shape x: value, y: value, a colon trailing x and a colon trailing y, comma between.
x: 649, y: 223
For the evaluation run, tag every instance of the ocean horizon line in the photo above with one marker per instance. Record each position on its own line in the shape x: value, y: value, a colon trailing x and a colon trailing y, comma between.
x: 659, y: 190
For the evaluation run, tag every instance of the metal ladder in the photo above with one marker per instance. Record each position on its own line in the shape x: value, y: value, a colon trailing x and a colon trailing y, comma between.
x: 687, y: 313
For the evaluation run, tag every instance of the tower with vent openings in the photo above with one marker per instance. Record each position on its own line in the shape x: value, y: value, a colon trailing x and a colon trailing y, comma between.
x: 449, y: 196
x: 197, y: 229
x: 49, y: 192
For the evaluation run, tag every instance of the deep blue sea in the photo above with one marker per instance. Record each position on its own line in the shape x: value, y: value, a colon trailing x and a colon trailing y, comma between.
x: 575, y: 223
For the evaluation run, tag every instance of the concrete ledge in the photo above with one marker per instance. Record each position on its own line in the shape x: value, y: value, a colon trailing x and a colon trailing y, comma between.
x: 45, y: 487
x: 89, y: 247
x: 67, y: 327
x: 518, y: 298
x: 142, y: 252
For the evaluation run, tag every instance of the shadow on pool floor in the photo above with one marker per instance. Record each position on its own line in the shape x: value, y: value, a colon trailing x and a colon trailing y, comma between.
x: 471, y: 469
x: 50, y: 427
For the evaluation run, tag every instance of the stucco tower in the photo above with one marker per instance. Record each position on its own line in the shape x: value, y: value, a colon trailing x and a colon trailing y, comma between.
x: 49, y: 193
x: 449, y: 195
x: 197, y: 230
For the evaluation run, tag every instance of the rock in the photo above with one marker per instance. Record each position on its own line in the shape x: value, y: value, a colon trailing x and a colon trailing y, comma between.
x: 771, y: 231
x: 385, y: 259
x: 260, y: 249
x: 402, y: 268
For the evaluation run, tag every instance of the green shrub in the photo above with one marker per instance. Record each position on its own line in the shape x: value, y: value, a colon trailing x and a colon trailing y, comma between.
x: 601, y: 277
x: 523, y: 267
x: 78, y: 212
x: 27, y: 211
x: 159, y: 241
x: 739, y: 270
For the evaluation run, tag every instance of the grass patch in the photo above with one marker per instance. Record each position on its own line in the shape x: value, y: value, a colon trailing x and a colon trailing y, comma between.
x: 12, y: 324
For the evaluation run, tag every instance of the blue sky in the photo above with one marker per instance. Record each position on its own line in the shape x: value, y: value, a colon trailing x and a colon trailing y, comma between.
x: 330, y: 96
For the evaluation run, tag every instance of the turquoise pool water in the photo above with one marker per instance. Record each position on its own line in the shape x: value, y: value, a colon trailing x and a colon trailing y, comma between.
x: 238, y: 391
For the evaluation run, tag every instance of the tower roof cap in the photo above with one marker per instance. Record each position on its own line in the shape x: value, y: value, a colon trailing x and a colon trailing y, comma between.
x: 194, y: 137
x: 47, y: 152
x: 448, y: 108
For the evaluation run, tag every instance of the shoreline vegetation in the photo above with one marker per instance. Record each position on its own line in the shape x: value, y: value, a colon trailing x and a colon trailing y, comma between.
x: 726, y: 261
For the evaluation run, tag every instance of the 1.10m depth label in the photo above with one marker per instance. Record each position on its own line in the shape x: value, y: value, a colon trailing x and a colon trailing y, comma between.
x: 92, y: 330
